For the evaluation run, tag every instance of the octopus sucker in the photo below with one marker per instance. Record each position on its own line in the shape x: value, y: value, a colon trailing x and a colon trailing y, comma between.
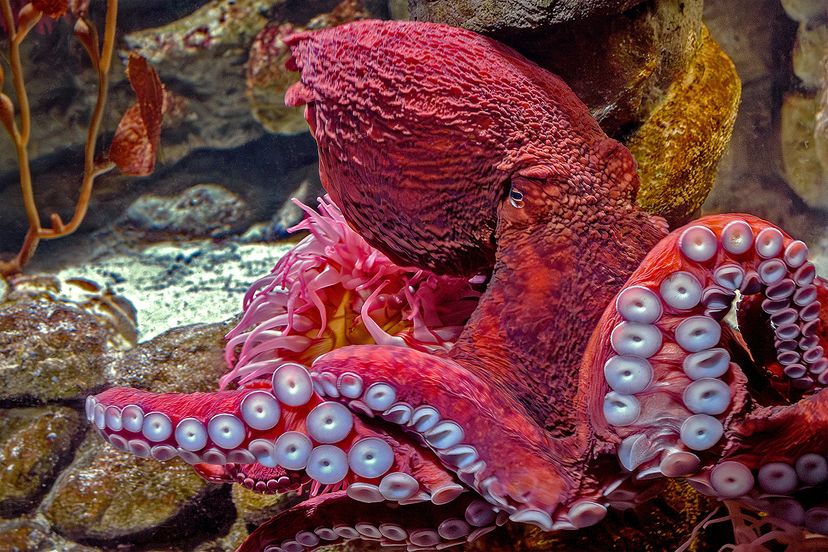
x: 482, y: 327
x: 423, y: 526
x: 672, y: 393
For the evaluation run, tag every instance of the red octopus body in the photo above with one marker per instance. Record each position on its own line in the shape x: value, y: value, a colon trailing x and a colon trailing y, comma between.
x: 423, y: 138
x: 585, y: 357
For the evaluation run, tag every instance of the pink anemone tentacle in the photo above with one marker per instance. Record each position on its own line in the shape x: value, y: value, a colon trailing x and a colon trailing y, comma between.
x: 334, y: 289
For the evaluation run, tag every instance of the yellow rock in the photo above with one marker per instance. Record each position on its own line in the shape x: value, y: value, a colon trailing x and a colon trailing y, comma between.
x: 257, y: 508
x: 679, y: 145
x: 803, y: 149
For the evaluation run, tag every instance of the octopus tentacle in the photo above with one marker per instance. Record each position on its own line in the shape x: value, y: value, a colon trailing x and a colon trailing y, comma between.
x: 475, y: 427
x: 328, y: 520
x: 273, y: 440
x: 761, y: 328
x: 673, y: 402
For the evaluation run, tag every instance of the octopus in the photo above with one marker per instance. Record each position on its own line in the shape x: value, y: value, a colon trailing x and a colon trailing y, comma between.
x: 482, y: 327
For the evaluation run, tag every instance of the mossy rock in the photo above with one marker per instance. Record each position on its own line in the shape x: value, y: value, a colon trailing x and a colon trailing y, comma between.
x: 679, y: 146
x: 35, y: 444
x: 110, y: 497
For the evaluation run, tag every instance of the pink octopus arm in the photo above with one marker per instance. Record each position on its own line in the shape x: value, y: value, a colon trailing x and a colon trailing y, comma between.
x: 667, y: 395
x: 595, y: 360
x: 332, y: 520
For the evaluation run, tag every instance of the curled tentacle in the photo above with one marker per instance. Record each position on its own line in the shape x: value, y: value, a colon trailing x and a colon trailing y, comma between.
x: 801, y: 354
x: 476, y: 427
x: 668, y: 394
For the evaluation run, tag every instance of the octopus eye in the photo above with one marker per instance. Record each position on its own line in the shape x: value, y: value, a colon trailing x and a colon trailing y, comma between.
x: 516, y: 198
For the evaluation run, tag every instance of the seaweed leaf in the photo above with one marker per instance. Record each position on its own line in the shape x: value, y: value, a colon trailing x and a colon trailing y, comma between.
x: 135, y: 143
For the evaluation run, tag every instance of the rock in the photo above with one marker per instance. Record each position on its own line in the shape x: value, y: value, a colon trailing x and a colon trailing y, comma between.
x: 186, y: 359
x: 175, y: 285
x: 679, y: 145
x: 512, y: 16
x: 809, y: 54
x: 256, y: 508
x: 398, y: 9
x: 289, y: 214
x: 805, y: 10
x: 749, y: 178
x: 201, y: 58
x: 206, y: 81
x: 231, y: 541
x: 821, y: 122
x: 113, y: 311
x: 619, y: 64
x: 35, y: 444
x: 50, y: 347
x: 26, y: 534
x: 204, y: 210
x: 749, y: 41
x: 267, y: 77
x: 61, y: 85
x: 267, y: 81
x: 111, y: 497
x: 802, y: 168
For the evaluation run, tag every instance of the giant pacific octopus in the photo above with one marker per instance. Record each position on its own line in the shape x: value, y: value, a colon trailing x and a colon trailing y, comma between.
x: 482, y: 326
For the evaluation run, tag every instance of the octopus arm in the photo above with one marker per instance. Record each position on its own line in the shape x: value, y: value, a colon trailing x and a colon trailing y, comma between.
x: 671, y: 394
x: 333, y: 519
x: 476, y: 426
x: 277, y: 438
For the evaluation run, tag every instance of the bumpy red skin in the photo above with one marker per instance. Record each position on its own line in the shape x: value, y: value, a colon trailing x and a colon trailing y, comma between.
x: 451, y: 152
x: 423, y: 130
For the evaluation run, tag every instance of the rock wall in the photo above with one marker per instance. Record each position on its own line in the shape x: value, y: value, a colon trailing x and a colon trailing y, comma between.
x: 774, y: 166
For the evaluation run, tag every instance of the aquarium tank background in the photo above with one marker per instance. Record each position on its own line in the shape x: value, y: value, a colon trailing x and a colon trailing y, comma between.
x: 324, y: 274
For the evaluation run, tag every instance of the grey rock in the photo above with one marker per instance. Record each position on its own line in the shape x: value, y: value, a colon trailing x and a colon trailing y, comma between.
x: 750, y: 177
x: 748, y: 40
x: 108, y: 497
x: 201, y: 59
x: 204, y: 210
x: 35, y: 444
x: 494, y: 16
x: 49, y: 349
x: 805, y: 10
x: 288, y: 214
x: 32, y: 533
x: 801, y: 164
x: 620, y: 63
x: 810, y: 53
x: 185, y: 359
x: 398, y: 9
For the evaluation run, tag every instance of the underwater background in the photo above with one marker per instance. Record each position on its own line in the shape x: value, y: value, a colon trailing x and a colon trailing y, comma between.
x: 723, y: 103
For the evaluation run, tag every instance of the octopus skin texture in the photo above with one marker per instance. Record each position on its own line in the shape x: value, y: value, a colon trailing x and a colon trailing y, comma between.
x: 481, y: 326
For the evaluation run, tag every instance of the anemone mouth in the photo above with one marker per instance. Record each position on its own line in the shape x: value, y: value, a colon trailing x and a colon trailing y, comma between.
x: 334, y: 289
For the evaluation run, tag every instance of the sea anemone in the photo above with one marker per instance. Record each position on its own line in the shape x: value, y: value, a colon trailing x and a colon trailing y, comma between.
x: 334, y: 289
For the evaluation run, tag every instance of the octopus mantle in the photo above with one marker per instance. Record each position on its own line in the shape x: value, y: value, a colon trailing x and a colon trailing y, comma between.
x: 482, y: 326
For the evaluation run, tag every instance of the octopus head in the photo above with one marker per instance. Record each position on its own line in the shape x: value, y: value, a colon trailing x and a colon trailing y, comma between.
x: 399, y: 143
x: 424, y: 130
